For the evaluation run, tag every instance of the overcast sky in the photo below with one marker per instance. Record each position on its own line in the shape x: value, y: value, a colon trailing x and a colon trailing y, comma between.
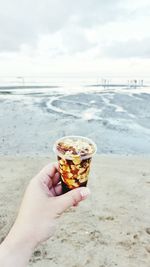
x: 53, y: 36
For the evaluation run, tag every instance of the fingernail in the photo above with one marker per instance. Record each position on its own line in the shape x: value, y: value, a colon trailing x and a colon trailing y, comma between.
x: 85, y: 192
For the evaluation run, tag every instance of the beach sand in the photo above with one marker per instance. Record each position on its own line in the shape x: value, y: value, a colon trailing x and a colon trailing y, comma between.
x: 111, y: 228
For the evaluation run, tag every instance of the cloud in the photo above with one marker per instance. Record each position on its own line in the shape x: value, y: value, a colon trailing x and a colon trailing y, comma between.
x: 81, y: 29
x: 129, y: 49
x: 23, y: 22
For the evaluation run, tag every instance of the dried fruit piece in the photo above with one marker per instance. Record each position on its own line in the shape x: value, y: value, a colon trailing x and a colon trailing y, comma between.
x: 62, y: 162
x: 87, y: 173
x: 76, y: 160
x: 83, y: 179
x: 66, y: 168
x: 73, y: 167
x: 69, y: 175
x: 72, y: 183
x: 82, y: 170
x: 78, y: 167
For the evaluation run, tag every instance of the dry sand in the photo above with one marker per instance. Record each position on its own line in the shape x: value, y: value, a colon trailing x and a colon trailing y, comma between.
x: 111, y: 228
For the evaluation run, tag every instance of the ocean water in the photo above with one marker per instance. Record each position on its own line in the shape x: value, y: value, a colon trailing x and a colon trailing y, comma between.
x: 116, y: 117
x: 73, y: 80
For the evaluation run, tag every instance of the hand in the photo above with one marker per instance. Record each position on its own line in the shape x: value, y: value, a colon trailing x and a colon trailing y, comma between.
x: 42, y: 204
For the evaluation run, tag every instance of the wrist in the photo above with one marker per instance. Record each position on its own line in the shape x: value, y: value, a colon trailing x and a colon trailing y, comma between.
x: 17, y: 248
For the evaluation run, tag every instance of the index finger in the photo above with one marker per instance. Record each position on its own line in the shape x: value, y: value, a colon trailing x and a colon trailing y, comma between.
x: 50, y: 169
x: 47, y: 174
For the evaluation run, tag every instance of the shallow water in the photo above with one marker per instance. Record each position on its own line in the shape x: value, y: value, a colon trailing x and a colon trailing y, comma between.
x: 117, y: 119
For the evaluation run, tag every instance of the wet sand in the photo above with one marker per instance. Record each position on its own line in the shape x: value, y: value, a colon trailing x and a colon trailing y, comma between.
x: 117, y: 119
x: 111, y: 228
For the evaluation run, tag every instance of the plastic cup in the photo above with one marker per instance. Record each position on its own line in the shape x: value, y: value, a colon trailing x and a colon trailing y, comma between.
x: 74, y: 168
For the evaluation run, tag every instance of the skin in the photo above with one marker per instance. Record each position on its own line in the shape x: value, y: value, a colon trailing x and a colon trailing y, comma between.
x: 41, y: 207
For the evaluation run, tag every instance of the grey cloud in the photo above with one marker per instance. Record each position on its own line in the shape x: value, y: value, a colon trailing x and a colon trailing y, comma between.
x: 88, y: 12
x: 22, y: 22
x: 75, y: 41
x: 138, y: 12
x: 129, y: 49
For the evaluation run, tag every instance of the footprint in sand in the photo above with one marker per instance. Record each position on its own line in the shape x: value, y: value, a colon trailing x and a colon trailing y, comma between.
x: 38, y: 255
x: 147, y: 230
x: 106, y: 218
x: 97, y: 236
x: 147, y: 249
x: 127, y: 244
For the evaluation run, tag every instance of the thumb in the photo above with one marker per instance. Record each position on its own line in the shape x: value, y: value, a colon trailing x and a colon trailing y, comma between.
x: 72, y: 198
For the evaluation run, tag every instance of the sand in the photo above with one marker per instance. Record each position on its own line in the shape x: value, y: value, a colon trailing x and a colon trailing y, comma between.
x: 111, y: 228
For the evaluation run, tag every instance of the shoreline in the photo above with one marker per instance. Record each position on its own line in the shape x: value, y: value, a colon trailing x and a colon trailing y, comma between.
x: 116, y: 119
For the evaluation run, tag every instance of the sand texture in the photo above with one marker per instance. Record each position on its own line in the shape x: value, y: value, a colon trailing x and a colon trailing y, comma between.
x: 111, y: 228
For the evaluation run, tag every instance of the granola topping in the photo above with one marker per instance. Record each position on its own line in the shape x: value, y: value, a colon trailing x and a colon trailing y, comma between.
x: 74, y: 156
x: 75, y: 148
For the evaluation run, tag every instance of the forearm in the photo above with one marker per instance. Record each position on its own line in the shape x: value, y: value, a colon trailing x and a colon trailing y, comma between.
x: 16, y: 249
x: 42, y: 204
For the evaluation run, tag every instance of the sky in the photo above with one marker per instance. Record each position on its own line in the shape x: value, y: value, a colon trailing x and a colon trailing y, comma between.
x: 82, y: 36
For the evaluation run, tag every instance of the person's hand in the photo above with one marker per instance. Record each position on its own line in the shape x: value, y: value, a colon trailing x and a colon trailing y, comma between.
x: 42, y: 204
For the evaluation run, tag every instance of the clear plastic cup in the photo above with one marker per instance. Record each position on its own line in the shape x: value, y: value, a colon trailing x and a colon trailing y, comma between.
x: 74, y: 168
